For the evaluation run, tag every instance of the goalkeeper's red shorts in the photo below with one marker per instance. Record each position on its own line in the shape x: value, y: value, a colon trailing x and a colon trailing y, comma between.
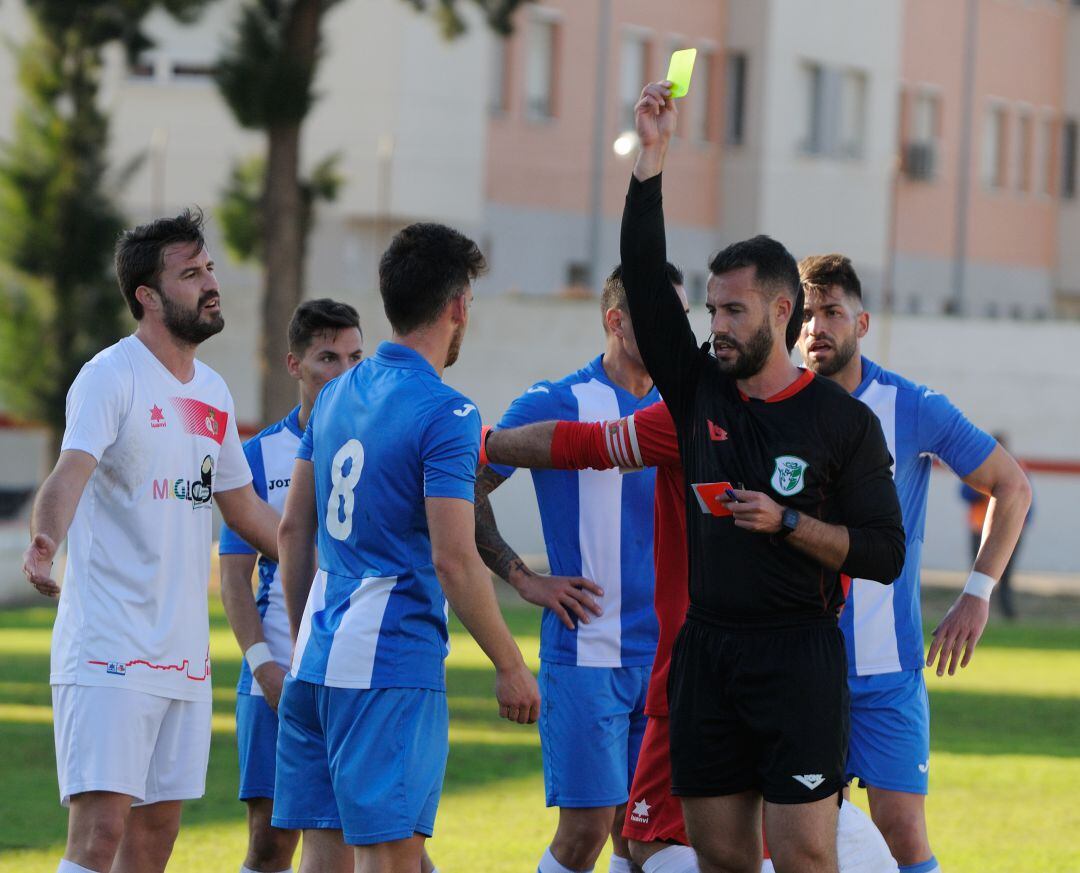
x: 652, y: 813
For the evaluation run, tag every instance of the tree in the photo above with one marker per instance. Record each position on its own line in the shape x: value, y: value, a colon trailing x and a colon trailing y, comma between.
x: 266, y: 75
x: 59, y: 304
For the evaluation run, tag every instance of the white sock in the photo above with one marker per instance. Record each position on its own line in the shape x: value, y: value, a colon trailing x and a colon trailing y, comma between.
x: 673, y: 859
x: 548, y: 864
x: 67, y: 866
x: 860, y: 847
x: 619, y: 864
x: 245, y: 869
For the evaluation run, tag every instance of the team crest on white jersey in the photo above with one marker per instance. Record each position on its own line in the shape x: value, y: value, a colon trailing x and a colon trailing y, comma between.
x: 789, y: 477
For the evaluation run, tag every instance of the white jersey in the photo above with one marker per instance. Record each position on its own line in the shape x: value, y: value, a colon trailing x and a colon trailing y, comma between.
x: 133, y: 611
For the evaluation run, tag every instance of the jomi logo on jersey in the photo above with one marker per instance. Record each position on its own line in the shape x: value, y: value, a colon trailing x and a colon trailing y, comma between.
x: 789, y: 477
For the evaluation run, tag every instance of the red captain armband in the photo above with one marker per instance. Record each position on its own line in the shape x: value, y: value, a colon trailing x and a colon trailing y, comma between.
x: 485, y: 432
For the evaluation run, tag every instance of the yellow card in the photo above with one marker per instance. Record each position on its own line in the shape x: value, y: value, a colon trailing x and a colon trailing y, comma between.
x: 679, y: 71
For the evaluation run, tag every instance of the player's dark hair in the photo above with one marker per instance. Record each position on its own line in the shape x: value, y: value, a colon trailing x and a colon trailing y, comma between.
x: 613, y: 295
x: 140, y: 252
x: 824, y: 271
x: 775, y: 270
x: 795, y: 323
x: 425, y: 267
x: 313, y: 317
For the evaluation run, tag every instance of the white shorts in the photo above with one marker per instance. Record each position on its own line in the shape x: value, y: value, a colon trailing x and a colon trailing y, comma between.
x: 129, y: 742
x: 860, y: 847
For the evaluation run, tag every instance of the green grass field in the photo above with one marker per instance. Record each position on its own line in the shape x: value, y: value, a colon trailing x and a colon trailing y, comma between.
x: 1005, y: 768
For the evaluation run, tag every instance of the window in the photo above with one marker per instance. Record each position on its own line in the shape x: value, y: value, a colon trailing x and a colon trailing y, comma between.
x: 852, y: 125
x: 1022, y: 169
x: 1046, y: 157
x: 1069, y: 134
x: 925, y: 115
x: 498, y: 99
x: 814, y: 129
x: 835, y: 121
x: 735, y: 100
x: 633, y: 70
x: 542, y: 39
x: 993, y: 147
x: 701, y: 98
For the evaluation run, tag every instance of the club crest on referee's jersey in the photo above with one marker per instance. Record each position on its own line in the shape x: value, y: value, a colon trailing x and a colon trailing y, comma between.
x: 789, y: 477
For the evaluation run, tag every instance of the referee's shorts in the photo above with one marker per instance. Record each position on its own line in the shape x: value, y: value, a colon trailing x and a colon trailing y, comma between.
x: 759, y: 709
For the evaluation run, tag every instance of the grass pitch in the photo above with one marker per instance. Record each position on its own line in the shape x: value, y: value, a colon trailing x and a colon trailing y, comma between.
x: 1005, y: 777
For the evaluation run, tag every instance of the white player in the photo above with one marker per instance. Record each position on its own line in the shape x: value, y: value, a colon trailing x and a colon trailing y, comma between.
x: 150, y: 439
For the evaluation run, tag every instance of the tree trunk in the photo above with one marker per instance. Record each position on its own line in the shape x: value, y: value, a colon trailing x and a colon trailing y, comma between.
x: 283, y: 276
x: 283, y: 225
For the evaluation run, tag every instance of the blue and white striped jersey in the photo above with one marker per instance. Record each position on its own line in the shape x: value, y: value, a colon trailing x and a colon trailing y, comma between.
x: 382, y: 437
x: 270, y: 454
x: 597, y: 524
x: 882, y: 624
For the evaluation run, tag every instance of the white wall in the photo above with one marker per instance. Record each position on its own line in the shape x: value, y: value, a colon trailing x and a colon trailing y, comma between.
x: 814, y: 203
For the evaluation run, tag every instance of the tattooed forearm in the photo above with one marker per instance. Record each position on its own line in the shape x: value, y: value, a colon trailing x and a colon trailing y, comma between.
x: 496, y: 553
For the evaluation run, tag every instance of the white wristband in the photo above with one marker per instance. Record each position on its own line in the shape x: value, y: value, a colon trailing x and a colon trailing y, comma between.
x: 979, y: 585
x: 258, y: 655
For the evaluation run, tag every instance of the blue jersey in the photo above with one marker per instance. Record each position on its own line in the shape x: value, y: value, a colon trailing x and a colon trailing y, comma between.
x: 381, y: 438
x: 597, y: 524
x: 882, y: 624
x: 270, y: 454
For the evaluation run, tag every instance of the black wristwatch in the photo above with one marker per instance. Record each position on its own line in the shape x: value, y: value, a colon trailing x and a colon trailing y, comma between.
x: 789, y: 520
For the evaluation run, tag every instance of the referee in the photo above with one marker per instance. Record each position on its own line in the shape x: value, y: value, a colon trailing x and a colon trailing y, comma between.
x: 789, y: 491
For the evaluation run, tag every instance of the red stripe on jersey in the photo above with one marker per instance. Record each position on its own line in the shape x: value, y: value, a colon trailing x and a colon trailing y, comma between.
x: 202, y: 419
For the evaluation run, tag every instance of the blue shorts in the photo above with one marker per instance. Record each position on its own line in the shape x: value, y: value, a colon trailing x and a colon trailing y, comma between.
x: 367, y: 762
x: 592, y: 720
x: 890, y: 731
x: 256, y: 740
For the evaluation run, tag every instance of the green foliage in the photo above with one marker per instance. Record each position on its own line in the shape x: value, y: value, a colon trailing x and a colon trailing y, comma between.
x: 241, y: 214
x: 498, y: 14
x: 57, y: 229
x: 58, y: 220
x: 264, y: 73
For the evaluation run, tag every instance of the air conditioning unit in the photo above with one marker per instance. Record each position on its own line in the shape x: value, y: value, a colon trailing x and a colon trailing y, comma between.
x: 919, y: 160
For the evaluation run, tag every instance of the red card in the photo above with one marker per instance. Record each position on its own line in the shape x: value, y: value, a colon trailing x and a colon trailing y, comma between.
x: 710, y: 496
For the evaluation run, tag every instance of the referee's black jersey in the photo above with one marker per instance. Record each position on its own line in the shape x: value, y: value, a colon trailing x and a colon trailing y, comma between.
x: 812, y: 447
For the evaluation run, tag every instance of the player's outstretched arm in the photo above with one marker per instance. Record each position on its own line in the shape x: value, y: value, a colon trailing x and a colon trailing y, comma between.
x: 467, y: 586
x: 251, y: 517
x: 296, y: 542
x: 528, y: 446
x: 566, y: 596
x: 1002, y: 478
x: 54, y: 508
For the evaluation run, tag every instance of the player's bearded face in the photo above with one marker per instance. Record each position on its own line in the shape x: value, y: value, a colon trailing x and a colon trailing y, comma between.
x: 196, y: 324
x: 824, y: 364
x: 750, y: 356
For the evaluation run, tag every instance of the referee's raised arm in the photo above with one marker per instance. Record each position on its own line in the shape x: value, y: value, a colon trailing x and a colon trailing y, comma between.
x: 667, y: 344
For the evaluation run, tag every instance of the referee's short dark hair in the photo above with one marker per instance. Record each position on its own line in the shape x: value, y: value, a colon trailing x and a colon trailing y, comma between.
x: 775, y: 270
x: 425, y: 267
x: 313, y: 317
x: 613, y: 295
x: 140, y: 252
x: 824, y: 271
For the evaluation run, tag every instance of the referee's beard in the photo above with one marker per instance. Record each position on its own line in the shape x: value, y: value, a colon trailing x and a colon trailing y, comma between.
x: 751, y: 355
